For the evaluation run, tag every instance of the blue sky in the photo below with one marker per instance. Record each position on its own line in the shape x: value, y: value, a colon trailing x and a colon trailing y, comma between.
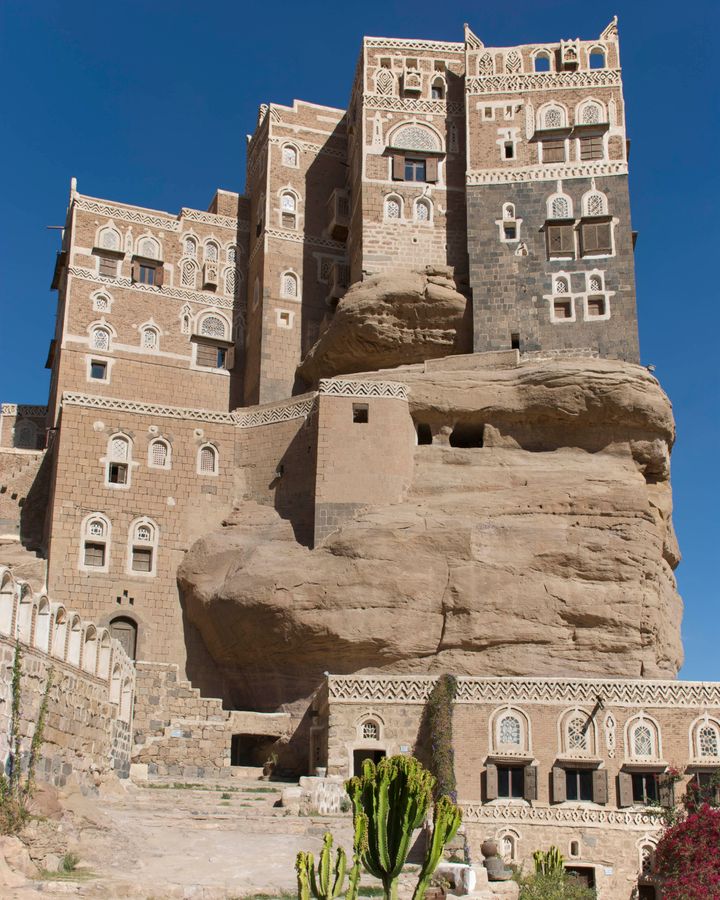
x: 149, y: 103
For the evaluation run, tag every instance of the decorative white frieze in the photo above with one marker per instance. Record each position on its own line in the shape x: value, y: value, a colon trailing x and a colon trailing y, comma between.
x: 151, y: 409
x: 565, y: 691
x: 412, y: 105
x: 300, y: 409
x: 310, y: 148
x: 402, y: 45
x: 208, y: 218
x: 546, y: 173
x: 174, y: 293
x: 518, y: 83
x: 8, y: 409
x: 154, y: 219
x: 304, y: 239
x: 340, y: 388
x: 584, y: 816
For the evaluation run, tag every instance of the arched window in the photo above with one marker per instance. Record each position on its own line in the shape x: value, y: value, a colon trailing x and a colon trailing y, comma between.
x: 212, y: 251
x: 214, y: 327
x: 125, y: 631
x: 416, y: 137
x: 508, y: 846
x: 560, y: 207
x: 143, y: 544
x: 149, y: 248
x: 95, y: 540
x: 289, y: 156
x: 576, y: 736
x: 541, y: 63
x: 591, y: 114
x: 119, y: 457
x: 560, y: 285
x: 102, y: 302
x: 159, y: 454
x: 643, y: 738
x: 513, y: 62
x: 370, y: 731
x: 647, y: 859
x: 230, y: 281
x: 109, y: 239
x: 104, y: 655
x: 437, y: 89
x: 188, y: 273
x: 289, y: 285
x: 423, y: 210
x: 149, y: 338
x: 642, y: 741
x: 385, y: 82
x: 508, y: 211
x: 509, y: 731
x: 100, y: 338
x: 393, y: 207
x: 597, y: 58
x: 208, y: 460
x: 231, y: 253
x: 594, y: 282
x: 553, y: 117
x: 288, y: 209
x: 190, y: 247
x: 708, y: 741
x: 595, y: 204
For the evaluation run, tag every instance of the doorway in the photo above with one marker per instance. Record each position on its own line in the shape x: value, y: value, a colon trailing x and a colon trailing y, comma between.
x: 359, y: 756
x: 124, y: 630
x: 585, y: 875
x: 646, y: 892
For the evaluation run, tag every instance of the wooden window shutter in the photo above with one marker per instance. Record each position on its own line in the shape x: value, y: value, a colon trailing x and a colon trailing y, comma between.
x: 491, y: 782
x: 559, y: 784
x: 600, y: 786
x: 398, y: 167
x: 206, y: 355
x: 625, y: 789
x: 159, y: 275
x: 567, y: 239
x: 230, y: 359
x: 666, y: 791
x: 530, y: 782
x: 135, y: 270
x: 603, y: 236
x: 431, y: 169
x: 589, y: 238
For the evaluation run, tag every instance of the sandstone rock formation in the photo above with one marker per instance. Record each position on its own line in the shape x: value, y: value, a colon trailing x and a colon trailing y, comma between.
x: 391, y: 320
x: 547, y: 551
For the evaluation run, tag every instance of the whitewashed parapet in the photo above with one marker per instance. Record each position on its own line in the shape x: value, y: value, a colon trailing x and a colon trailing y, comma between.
x: 614, y: 692
x: 338, y: 387
x: 70, y: 398
x: 270, y: 415
x: 586, y: 817
x: 60, y: 634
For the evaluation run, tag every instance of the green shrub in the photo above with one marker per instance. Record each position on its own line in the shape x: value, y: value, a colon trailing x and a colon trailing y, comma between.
x: 557, y: 885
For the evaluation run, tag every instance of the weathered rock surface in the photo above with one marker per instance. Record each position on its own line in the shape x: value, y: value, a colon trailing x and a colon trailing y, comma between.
x: 391, y: 320
x: 547, y: 551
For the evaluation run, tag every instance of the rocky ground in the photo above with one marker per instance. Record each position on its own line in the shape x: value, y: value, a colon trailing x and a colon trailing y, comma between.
x: 206, y: 842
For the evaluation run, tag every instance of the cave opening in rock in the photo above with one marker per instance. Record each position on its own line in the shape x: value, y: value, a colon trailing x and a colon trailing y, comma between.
x: 250, y: 749
x: 467, y: 434
x: 424, y: 433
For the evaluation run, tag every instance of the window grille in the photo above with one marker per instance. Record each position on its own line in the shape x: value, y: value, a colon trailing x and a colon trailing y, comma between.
x: 370, y: 731
x: 510, y: 730
x: 591, y: 114
x: 190, y: 248
x: 232, y: 254
x: 577, y: 737
x: 119, y: 449
x: 212, y: 326
x: 148, y: 248
x: 642, y: 741
x: 96, y: 528
x: 159, y: 454
x: 230, y: 281
x: 554, y: 117
x: 422, y: 211
x: 289, y: 156
x: 149, y: 339
x: 109, y: 239
x: 392, y: 208
x: 188, y: 273
x: 595, y: 283
x: 708, y: 741
x: 289, y: 285
x: 385, y: 82
x: 143, y: 534
x: 595, y: 205
x: 561, y: 286
x: 288, y: 202
x: 211, y: 252
x: 560, y: 208
x: 101, y: 339
x: 208, y: 459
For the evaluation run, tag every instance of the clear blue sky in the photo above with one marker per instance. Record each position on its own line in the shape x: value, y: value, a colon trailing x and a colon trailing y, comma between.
x: 149, y: 103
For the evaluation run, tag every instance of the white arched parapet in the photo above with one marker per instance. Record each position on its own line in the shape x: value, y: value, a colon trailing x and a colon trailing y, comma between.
x: 59, y: 637
x: 126, y: 700
x: 416, y: 136
x: 559, y: 206
x: 74, y: 650
x: 24, y: 619
x: 643, y: 741
x: 510, y: 733
x: 42, y: 625
x: 7, y: 601
x: 104, y: 654
x: 115, y: 684
x: 542, y: 60
x: 90, y: 649
x: 591, y: 112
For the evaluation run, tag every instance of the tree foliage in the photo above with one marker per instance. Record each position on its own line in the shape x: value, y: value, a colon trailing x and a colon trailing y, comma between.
x: 687, y: 859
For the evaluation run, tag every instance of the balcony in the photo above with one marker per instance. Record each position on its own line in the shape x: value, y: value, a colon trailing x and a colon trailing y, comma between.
x: 339, y: 280
x: 339, y: 215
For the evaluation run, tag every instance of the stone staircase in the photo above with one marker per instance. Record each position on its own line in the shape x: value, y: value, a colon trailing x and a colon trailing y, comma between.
x: 17, y: 475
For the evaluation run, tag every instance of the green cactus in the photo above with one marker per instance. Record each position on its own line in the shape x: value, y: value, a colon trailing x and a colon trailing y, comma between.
x: 446, y: 821
x: 392, y: 799
x: 549, y: 862
x: 327, y: 884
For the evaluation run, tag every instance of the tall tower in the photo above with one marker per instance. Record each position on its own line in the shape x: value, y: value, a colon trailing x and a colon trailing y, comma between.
x: 549, y: 236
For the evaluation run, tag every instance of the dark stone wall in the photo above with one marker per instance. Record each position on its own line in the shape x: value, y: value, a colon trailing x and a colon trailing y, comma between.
x: 509, y: 290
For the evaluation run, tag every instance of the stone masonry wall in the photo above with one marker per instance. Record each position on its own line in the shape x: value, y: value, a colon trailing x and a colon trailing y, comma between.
x: 18, y: 470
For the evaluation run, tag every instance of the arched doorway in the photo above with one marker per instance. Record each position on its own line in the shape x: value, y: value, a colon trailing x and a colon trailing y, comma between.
x: 124, y: 630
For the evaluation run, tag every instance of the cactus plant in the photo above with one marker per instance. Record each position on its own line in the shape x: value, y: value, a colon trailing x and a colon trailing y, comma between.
x: 446, y: 821
x: 390, y: 800
x: 327, y: 884
x: 549, y: 862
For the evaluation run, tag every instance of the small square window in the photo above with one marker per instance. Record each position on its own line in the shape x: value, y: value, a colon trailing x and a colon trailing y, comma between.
x: 141, y: 559
x: 591, y: 148
x: 595, y: 307
x: 515, y: 341
x: 437, y: 92
x: 510, y: 782
x: 146, y: 274
x: 414, y: 169
x: 98, y: 370
x: 488, y: 113
x: 596, y: 238
x: 94, y: 554
x: 579, y: 784
x: 553, y: 151
x: 645, y: 788
x: 510, y: 231
x: 508, y: 150
x: 284, y: 319
x: 117, y: 473
x: 361, y: 413
x: 562, y: 309
x: 288, y: 221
